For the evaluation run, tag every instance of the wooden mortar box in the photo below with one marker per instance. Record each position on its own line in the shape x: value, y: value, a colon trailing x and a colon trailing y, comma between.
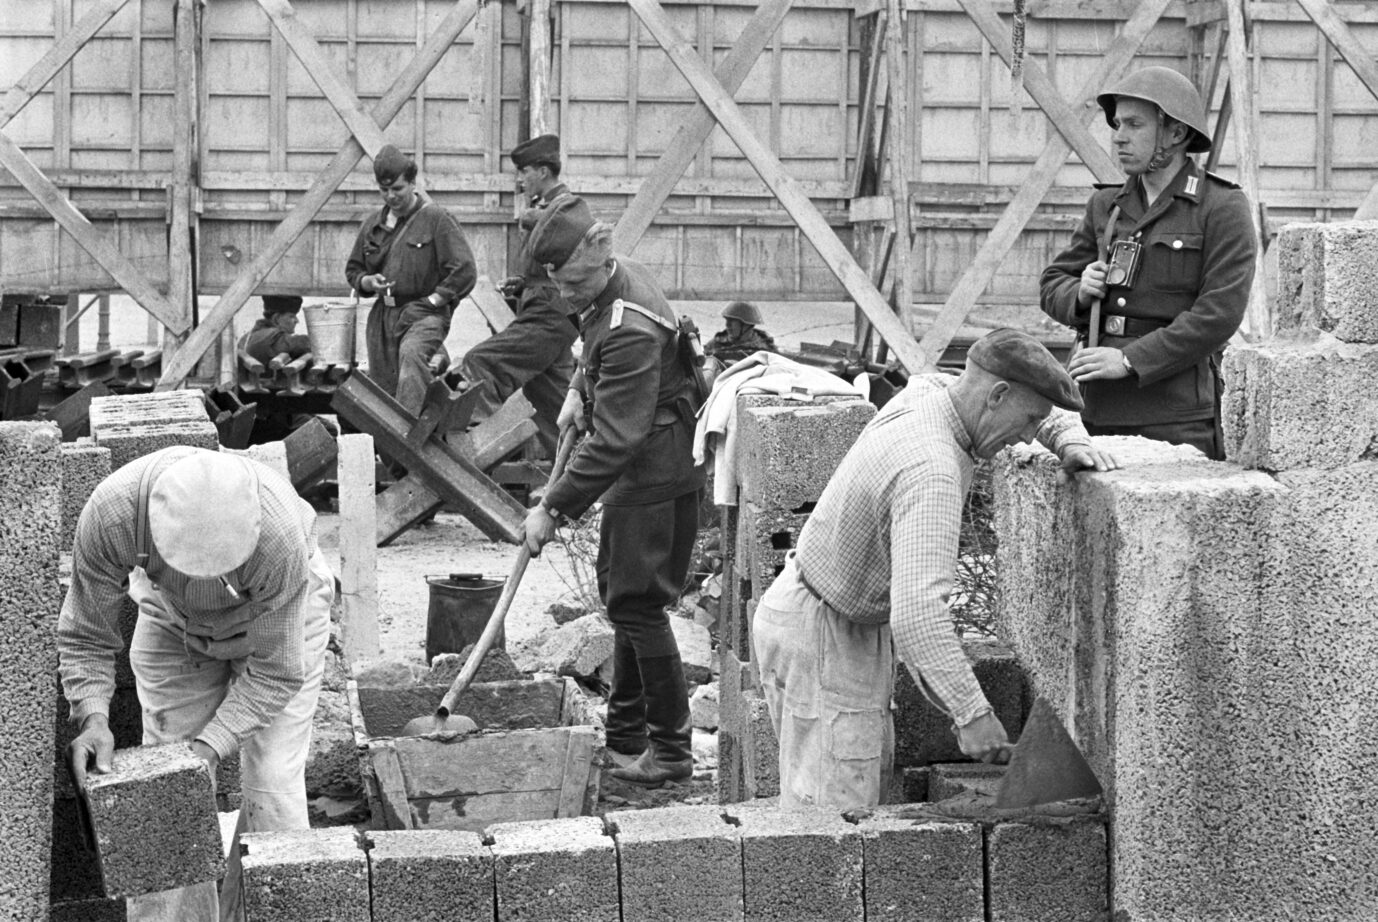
x: 536, y: 755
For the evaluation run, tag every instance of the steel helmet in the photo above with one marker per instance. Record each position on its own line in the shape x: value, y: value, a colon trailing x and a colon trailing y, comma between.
x: 1168, y: 90
x: 744, y: 311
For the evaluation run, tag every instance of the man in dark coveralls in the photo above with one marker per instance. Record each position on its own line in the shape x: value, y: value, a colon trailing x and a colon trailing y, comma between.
x: 533, y: 353
x: 639, y: 461
x: 1170, y: 254
x: 412, y: 254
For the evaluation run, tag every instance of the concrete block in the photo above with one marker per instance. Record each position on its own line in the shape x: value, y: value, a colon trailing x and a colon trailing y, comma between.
x: 1300, y: 403
x: 764, y: 536
x: 306, y: 875
x: 695, y: 649
x: 913, y: 781
x: 154, y: 821
x: 949, y: 779
x: 738, y: 607
x: 75, y: 869
x: 130, y: 442
x: 579, y: 647
x: 678, y: 863
x: 922, y: 872
x: 799, y: 865
x: 93, y: 909
x: 423, y: 875
x: 30, y: 530
x: 555, y: 870
x: 923, y: 734
x: 84, y: 465
x: 1050, y: 871
x: 787, y: 451
x: 760, y: 750
x: 1326, y: 281
x: 737, y: 681
x: 157, y: 408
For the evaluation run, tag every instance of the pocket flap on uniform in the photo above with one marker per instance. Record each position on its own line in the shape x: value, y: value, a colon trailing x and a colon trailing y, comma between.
x: 419, y: 242
x: 1177, y: 241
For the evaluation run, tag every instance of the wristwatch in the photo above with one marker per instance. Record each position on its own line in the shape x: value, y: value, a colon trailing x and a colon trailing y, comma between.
x: 434, y: 300
x: 552, y: 512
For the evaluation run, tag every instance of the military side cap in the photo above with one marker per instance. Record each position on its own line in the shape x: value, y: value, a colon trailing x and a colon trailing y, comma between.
x: 1015, y: 356
x: 390, y: 164
x: 559, y: 230
x: 204, y: 514
x: 544, y: 148
x: 281, y: 304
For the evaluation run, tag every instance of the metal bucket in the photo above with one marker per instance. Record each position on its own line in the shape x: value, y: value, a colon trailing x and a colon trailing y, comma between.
x: 461, y: 605
x: 331, y: 330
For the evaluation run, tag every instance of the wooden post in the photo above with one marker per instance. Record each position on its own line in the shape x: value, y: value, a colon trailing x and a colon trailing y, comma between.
x: 898, y: 153
x: 539, y: 77
x: 181, y: 293
x: 71, y: 325
x: 358, y: 549
x: 1245, y: 106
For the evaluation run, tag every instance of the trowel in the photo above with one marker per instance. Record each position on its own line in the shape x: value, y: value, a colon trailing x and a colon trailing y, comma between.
x: 443, y: 721
x: 1046, y: 765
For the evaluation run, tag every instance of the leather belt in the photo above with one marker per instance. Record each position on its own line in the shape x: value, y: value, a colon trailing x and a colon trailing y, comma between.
x: 1116, y: 325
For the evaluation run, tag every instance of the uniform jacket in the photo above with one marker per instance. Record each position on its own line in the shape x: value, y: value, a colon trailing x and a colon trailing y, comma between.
x: 641, y: 449
x: 428, y: 254
x: 1196, y: 269
x: 265, y: 342
x: 540, y: 305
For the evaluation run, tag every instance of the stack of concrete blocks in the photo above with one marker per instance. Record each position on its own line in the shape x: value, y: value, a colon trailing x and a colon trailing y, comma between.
x: 786, y: 451
x: 1206, y: 629
x: 30, y: 532
x: 307, y: 875
x: 84, y: 465
x: 134, y: 425
x: 154, y: 821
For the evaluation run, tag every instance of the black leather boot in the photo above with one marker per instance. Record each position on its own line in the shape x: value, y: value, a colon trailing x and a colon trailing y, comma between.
x: 670, y: 754
x: 626, y: 721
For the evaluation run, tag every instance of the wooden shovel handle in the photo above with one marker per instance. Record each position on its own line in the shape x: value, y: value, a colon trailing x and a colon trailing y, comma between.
x: 495, y: 621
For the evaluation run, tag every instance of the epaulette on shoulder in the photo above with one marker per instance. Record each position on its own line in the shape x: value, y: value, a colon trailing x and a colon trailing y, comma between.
x: 1227, y: 183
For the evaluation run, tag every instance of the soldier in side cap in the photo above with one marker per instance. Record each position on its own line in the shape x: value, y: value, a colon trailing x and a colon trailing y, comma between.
x: 533, y: 353
x: 1166, y: 259
x: 219, y: 554
x: 639, y: 462
x: 275, y: 332
x: 413, y: 256
x: 872, y: 572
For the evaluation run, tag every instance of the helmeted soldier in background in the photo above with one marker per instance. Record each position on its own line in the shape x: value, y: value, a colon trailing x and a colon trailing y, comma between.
x: 742, y: 337
x: 1166, y: 260
x: 639, y: 462
x: 533, y: 353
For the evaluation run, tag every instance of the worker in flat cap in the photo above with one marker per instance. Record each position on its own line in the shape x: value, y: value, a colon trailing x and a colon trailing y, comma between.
x: 413, y: 257
x: 219, y: 555
x: 275, y: 332
x: 1157, y: 277
x: 532, y: 354
x: 638, y: 460
x: 873, y: 569
x: 742, y: 336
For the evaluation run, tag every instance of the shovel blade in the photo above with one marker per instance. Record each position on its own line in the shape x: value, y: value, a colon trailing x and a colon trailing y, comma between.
x: 1046, y: 765
x: 434, y: 723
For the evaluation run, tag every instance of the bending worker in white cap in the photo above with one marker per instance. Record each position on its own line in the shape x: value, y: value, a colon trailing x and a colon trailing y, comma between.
x: 229, y: 648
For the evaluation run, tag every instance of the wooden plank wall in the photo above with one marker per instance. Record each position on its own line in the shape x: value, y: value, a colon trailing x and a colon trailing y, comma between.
x: 103, y: 131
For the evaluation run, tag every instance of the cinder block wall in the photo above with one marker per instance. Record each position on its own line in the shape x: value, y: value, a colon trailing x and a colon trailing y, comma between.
x: 1207, y: 629
x: 30, y: 532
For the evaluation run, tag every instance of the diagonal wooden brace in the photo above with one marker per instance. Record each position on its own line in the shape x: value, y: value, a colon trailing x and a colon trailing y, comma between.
x: 453, y: 477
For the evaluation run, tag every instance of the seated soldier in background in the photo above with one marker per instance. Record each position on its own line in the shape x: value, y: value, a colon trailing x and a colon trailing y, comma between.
x: 275, y: 333
x: 741, y: 338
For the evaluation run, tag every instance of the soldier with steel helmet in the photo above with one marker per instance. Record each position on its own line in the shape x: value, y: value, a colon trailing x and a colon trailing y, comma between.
x: 1157, y: 277
x: 742, y: 337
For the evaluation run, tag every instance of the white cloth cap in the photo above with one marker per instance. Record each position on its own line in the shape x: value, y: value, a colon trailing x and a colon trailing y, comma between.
x: 204, y: 513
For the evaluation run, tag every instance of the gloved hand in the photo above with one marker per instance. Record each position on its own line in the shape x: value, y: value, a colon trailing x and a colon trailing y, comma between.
x: 572, y: 412
x: 984, y: 738
x: 93, y: 748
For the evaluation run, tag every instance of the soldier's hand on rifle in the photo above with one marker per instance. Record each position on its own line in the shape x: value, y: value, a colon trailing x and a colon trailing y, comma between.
x: 572, y: 413
x: 1092, y: 283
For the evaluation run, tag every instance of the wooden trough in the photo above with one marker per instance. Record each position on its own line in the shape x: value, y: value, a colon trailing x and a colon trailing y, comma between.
x: 537, y: 755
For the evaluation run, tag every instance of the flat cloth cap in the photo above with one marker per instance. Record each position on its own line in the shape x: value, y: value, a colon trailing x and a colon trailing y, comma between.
x: 390, y: 164
x: 559, y: 230
x: 1015, y: 356
x: 544, y: 148
x: 204, y: 513
x: 281, y: 304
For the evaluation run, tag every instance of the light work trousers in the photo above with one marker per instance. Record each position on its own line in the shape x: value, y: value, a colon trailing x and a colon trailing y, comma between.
x: 181, y: 681
x: 827, y: 683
